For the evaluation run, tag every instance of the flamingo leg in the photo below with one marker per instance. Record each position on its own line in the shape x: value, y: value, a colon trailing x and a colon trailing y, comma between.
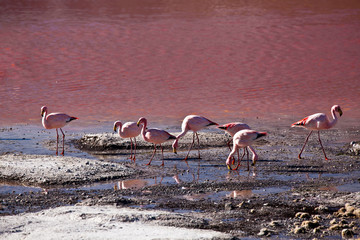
x: 239, y: 160
x: 152, y: 155
x: 62, y: 153
x: 237, y: 154
x: 197, y: 136
x: 134, y: 158
x: 190, y: 148
x: 247, y: 156
x: 162, y: 154
x: 57, y: 141
x: 131, y: 152
x: 322, y: 146
x: 228, y: 143
x: 302, y: 149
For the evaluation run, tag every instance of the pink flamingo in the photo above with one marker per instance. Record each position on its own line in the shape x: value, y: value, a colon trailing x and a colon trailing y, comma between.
x: 233, y: 128
x: 56, y: 120
x: 155, y: 136
x: 128, y: 130
x: 244, y: 139
x: 318, y: 121
x: 194, y: 123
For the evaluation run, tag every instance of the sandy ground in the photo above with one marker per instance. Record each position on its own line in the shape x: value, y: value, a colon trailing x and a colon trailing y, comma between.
x: 98, y: 222
x: 281, y: 197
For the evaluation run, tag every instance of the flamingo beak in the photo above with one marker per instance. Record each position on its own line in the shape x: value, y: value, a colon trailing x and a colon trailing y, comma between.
x: 228, y: 166
x: 115, y: 128
x: 138, y: 123
x: 340, y: 112
x: 42, y: 113
x: 174, y: 150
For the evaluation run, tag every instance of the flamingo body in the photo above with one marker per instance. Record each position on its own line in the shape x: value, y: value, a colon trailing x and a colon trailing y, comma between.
x: 154, y: 136
x: 232, y: 128
x: 194, y: 123
x: 318, y: 121
x: 244, y: 139
x: 56, y: 120
x: 128, y: 130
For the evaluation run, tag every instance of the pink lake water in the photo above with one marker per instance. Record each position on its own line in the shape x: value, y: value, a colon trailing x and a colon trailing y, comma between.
x: 227, y: 60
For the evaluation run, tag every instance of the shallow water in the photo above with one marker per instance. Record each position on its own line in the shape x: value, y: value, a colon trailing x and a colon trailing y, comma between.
x: 227, y: 60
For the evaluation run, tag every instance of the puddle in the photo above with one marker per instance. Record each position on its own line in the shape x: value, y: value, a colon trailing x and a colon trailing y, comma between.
x: 238, y: 194
x: 17, y: 189
x: 349, y: 187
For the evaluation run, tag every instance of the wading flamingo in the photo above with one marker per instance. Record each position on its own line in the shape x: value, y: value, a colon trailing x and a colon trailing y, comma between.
x: 244, y: 139
x: 56, y: 120
x: 318, y: 121
x: 128, y: 130
x: 232, y: 128
x: 154, y: 136
x: 194, y: 123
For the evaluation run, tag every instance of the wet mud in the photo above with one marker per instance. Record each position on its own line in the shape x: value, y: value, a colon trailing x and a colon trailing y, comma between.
x: 280, y: 197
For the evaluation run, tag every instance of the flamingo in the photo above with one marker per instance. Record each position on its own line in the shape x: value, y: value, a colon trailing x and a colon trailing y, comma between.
x: 318, y: 121
x: 244, y: 139
x: 128, y: 130
x: 233, y: 128
x: 155, y: 136
x: 194, y: 123
x: 56, y: 120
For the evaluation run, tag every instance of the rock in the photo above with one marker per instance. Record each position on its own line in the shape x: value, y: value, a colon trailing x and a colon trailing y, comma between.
x: 333, y: 221
x: 354, y: 148
x: 316, y: 230
x: 229, y: 206
x: 310, y: 224
x: 349, y: 208
x: 335, y: 227
x: 357, y: 212
x: 298, y: 230
x: 302, y: 215
x: 265, y: 232
x: 347, y: 233
x: 274, y: 223
x: 322, y: 209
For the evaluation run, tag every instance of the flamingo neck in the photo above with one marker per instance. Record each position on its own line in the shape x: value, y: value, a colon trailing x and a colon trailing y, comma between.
x: 44, y: 120
x: 335, y: 118
x: 143, y: 130
x: 119, y: 125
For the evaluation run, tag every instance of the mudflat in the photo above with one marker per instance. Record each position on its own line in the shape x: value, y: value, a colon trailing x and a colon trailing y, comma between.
x: 281, y: 196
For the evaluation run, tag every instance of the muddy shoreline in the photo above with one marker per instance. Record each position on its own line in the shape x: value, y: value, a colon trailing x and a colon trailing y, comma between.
x: 281, y: 197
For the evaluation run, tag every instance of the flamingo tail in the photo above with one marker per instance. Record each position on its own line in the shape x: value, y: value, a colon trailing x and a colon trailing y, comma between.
x: 302, y: 122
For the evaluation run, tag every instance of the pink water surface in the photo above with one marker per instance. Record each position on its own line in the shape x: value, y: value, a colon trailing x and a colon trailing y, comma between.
x: 227, y: 60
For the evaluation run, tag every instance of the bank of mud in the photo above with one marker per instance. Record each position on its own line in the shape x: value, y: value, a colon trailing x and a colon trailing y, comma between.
x: 281, y: 197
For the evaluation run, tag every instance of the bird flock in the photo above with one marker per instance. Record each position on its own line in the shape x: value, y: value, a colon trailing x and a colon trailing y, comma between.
x: 242, y: 135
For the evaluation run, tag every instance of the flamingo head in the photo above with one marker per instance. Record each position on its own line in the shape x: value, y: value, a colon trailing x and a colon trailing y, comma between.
x: 338, y: 109
x: 174, y: 146
x: 143, y: 121
x: 43, y: 110
x: 116, y: 125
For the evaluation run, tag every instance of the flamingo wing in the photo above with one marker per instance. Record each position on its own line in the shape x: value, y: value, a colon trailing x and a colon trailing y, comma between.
x: 316, y: 121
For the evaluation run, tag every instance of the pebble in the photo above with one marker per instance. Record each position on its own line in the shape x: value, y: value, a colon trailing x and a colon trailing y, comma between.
x: 265, y: 232
x: 347, y: 233
x: 274, y: 223
x: 302, y: 215
x: 310, y: 224
x: 229, y: 206
x: 298, y: 230
x: 322, y: 209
